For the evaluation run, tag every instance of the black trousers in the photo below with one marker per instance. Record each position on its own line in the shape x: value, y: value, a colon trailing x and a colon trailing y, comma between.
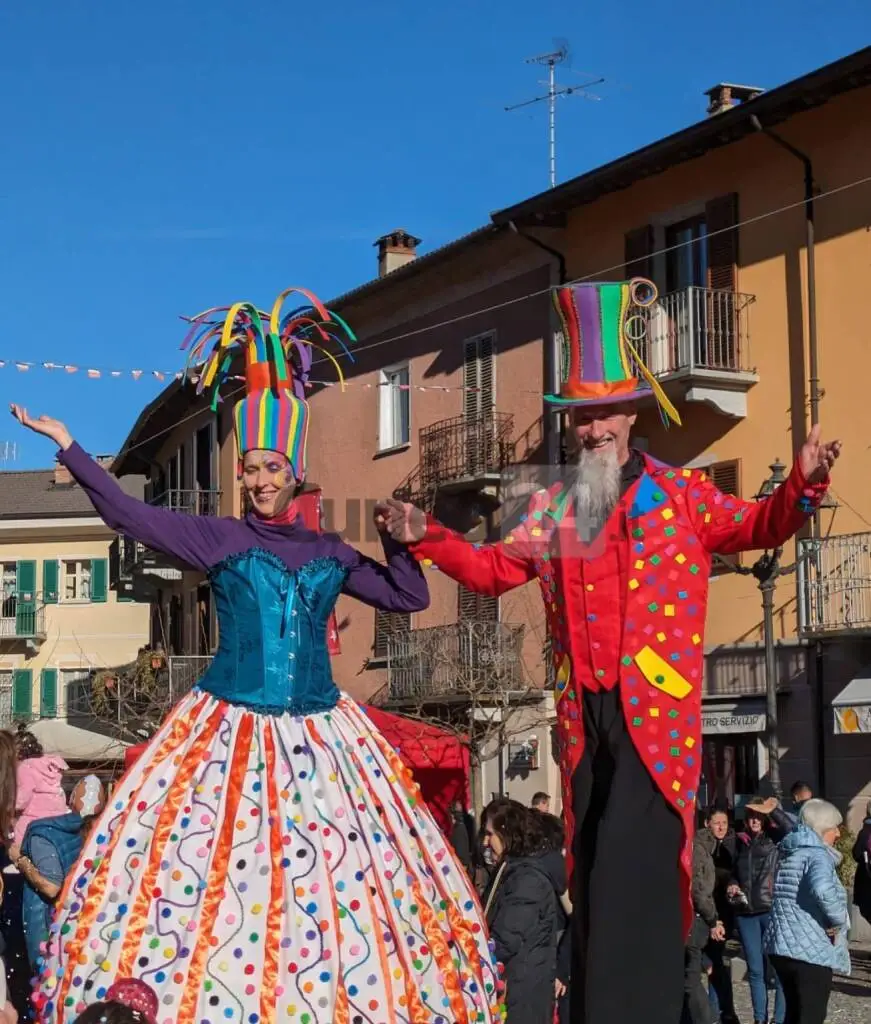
x: 628, y: 940
x: 806, y: 987
x: 697, y: 1008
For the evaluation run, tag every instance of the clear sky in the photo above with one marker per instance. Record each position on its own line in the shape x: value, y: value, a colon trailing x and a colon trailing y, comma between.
x: 165, y: 157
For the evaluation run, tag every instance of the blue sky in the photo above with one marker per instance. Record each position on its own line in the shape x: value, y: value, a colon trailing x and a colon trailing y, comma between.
x: 161, y: 158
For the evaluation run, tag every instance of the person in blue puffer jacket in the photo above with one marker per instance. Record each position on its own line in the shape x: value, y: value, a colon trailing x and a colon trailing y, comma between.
x: 806, y: 938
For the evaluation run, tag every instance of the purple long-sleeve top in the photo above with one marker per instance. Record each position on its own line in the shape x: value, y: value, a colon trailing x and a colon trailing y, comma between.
x: 202, y: 541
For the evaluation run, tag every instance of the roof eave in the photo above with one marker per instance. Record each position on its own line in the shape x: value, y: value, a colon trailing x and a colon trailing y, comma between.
x: 718, y: 130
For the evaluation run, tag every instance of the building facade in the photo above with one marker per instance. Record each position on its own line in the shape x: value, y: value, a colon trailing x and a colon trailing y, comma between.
x: 59, y: 621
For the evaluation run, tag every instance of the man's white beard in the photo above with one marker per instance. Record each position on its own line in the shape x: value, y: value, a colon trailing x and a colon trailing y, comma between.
x: 596, y: 488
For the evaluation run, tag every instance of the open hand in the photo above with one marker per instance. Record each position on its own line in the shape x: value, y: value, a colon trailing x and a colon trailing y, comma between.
x: 765, y: 806
x: 43, y: 425
x: 816, y: 457
x: 404, y: 522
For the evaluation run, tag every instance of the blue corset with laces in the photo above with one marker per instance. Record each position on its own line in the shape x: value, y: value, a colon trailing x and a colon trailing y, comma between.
x: 272, y: 652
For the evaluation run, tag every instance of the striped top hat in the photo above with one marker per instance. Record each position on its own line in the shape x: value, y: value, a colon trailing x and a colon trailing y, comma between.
x: 274, y: 414
x: 603, y: 325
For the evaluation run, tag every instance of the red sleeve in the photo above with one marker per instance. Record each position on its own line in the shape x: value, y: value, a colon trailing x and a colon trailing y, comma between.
x: 486, y: 568
x: 726, y: 525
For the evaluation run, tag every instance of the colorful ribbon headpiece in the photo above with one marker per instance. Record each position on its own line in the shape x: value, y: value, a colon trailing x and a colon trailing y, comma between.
x: 604, y: 326
x: 136, y: 995
x: 274, y: 414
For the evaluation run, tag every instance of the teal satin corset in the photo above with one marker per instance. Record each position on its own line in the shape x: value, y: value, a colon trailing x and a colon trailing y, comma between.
x: 272, y: 652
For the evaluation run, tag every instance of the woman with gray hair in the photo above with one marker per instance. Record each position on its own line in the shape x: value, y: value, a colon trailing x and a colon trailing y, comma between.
x: 806, y: 939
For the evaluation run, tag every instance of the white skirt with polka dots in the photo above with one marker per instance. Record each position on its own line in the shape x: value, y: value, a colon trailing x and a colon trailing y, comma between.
x: 253, y: 868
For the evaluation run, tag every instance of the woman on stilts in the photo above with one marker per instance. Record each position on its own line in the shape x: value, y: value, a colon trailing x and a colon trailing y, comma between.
x: 268, y: 857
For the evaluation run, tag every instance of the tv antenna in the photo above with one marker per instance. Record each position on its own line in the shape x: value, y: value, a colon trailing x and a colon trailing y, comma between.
x: 550, y: 60
x: 8, y: 452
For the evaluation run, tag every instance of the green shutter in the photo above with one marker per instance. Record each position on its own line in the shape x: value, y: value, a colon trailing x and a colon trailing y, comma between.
x: 25, y: 608
x: 49, y: 581
x: 22, y: 693
x: 48, y: 693
x: 99, y: 577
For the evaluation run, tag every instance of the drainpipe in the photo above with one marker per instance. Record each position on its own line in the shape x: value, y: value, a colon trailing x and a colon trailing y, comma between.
x: 552, y: 419
x: 814, y: 386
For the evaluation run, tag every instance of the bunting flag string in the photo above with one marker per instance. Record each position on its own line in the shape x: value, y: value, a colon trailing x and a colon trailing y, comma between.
x: 92, y: 373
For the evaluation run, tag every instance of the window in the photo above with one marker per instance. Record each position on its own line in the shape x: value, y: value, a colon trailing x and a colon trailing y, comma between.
x: 77, y: 580
x: 75, y: 685
x: 472, y: 607
x: 9, y: 586
x: 388, y: 624
x: 726, y: 477
x: 5, y: 697
x: 687, y: 254
x: 395, y: 408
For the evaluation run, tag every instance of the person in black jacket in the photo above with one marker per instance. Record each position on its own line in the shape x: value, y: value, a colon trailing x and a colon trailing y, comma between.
x: 718, y: 839
x: 752, y: 893
x: 706, y: 925
x: 523, y: 909
x: 862, y: 856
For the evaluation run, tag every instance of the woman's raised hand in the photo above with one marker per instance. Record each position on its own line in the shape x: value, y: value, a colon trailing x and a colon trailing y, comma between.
x: 43, y: 425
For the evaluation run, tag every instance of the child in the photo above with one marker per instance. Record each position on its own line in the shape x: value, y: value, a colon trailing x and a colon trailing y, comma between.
x: 39, y: 784
x: 128, y: 1001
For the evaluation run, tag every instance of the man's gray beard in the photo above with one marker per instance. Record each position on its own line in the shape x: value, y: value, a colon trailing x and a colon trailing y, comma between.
x: 596, y: 489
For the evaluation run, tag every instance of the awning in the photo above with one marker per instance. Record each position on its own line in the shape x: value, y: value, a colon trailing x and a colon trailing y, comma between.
x: 738, y: 716
x: 74, y: 744
x: 852, y: 706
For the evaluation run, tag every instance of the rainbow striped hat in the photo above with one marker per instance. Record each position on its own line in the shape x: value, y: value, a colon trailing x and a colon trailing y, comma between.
x: 602, y: 326
x: 274, y: 414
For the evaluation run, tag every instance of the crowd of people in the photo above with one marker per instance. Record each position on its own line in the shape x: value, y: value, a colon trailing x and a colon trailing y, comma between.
x: 773, y: 887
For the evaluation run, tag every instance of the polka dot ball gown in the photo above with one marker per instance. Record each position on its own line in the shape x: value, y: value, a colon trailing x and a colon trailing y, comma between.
x: 258, y: 867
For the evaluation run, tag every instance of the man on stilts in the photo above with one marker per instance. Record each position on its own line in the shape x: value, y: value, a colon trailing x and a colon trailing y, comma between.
x: 622, y: 551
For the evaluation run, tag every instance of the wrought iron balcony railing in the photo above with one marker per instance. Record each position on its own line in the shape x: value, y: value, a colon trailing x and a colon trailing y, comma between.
x: 465, y: 450
x: 698, y: 329
x: 22, y: 617
x: 136, y: 557
x: 462, y: 661
x: 834, y: 576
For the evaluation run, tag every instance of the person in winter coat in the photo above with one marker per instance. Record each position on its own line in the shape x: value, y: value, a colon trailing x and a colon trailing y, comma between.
x: 39, y: 784
x: 862, y: 856
x: 523, y: 910
x: 50, y: 849
x: 718, y: 839
x: 462, y: 837
x: 751, y: 893
x: 807, y: 935
x: 705, y: 925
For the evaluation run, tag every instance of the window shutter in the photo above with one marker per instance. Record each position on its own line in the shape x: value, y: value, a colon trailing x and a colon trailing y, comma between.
x: 25, y: 582
x: 486, y: 374
x: 472, y: 607
x: 726, y: 477
x: 99, y: 572
x: 48, y: 693
x: 721, y: 219
x: 22, y: 693
x: 637, y: 247
x: 49, y: 581
x: 471, y: 382
x: 388, y: 624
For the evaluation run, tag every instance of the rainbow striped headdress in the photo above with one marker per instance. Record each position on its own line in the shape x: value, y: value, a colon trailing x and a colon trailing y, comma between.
x: 603, y: 326
x: 274, y: 414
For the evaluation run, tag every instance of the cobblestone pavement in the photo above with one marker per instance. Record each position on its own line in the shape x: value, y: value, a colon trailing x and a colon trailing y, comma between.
x: 850, y: 1002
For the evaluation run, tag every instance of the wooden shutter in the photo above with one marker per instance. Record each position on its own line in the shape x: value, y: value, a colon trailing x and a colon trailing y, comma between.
x: 99, y: 575
x: 22, y: 693
x: 25, y: 604
x: 388, y: 624
x: 472, y: 607
x: 479, y: 376
x: 49, y: 581
x: 48, y: 693
x: 637, y: 247
x: 721, y: 219
x: 726, y: 477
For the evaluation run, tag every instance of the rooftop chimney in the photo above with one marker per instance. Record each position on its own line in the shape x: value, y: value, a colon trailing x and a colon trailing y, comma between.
x: 395, y: 250
x: 724, y: 96
x: 62, y: 476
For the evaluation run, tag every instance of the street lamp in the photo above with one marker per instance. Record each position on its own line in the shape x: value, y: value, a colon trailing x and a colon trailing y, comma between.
x: 766, y: 570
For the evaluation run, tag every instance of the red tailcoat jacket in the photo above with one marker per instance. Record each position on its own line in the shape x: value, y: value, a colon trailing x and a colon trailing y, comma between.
x: 648, y: 626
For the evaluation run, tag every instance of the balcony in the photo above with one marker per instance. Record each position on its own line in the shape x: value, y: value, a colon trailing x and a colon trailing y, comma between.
x: 834, y: 576
x: 739, y: 671
x: 135, y: 559
x: 22, y: 617
x: 466, y: 452
x: 466, y: 662
x: 698, y: 345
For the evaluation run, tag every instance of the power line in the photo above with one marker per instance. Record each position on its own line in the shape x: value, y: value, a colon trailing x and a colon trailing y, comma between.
x: 460, y: 318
